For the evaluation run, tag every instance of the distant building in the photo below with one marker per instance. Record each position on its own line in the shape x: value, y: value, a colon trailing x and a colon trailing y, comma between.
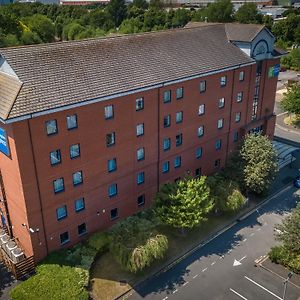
x: 83, y: 2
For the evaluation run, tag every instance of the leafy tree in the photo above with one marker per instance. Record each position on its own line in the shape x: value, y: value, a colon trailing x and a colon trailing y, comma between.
x: 248, y: 14
x: 30, y: 38
x: 291, y: 100
x: 132, y: 25
x: 268, y: 21
x: 140, y: 4
x: 200, y: 15
x: 154, y: 18
x: 158, y: 4
x: 259, y: 162
x: 183, y: 205
x: 220, y: 11
x: 9, y: 24
x: 288, y: 232
x: 181, y: 17
x: 117, y: 11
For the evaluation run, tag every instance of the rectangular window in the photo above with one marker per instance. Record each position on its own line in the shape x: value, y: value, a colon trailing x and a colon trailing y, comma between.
x: 239, y: 97
x: 58, y: 185
x: 220, y: 123
x: 238, y: 117
x: 140, y: 154
x: 223, y: 81
x: 79, y: 204
x: 167, y: 96
x: 167, y: 121
x: 114, y: 214
x: 178, y: 139
x: 55, y: 157
x: 199, y: 153
x: 179, y: 93
x: 72, y: 122
x: 51, y: 127
x: 110, y: 139
x: 235, y: 136
x: 61, y: 212
x: 202, y: 86
x: 140, y: 129
x: 221, y: 102
x: 179, y: 117
x: 218, y: 144
x: 139, y: 104
x: 112, y: 190
x: 177, y: 162
x: 198, y: 172
x: 201, y: 110
x: 140, y: 178
x: 82, y: 229
x: 64, y: 238
x: 241, y: 76
x: 74, y: 151
x: 165, y: 167
x: 166, y: 144
x: 77, y: 178
x: 200, y: 131
x: 112, y: 165
x: 217, y: 163
x: 109, y: 112
x: 141, y: 200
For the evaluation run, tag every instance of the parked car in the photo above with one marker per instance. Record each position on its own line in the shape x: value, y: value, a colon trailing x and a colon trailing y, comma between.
x: 297, y: 182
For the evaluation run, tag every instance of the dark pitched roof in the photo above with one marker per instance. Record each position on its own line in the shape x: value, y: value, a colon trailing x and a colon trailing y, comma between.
x: 60, y: 74
x: 242, y: 32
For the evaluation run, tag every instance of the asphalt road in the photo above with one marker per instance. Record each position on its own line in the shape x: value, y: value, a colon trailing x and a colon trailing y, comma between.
x: 224, y: 268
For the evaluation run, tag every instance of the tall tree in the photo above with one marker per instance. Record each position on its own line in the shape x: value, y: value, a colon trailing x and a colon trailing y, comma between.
x: 291, y: 100
x: 184, y: 205
x: 248, y: 14
x: 117, y: 11
x: 220, y: 11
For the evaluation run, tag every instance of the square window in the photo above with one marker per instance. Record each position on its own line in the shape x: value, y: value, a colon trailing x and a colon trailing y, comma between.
x: 177, y: 162
x: 64, y: 238
x: 241, y: 76
x: 179, y: 93
x: 201, y: 110
x: 77, y: 178
x: 114, y: 214
x: 141, y: 200
x: 82, y: 229
x: 55, y: 157
x: 198, y: 172
x: 166, y: 144
x: 167, y: 96
x: 139, y: 104
x: 221, y: 102
x: 223, y: 81
x: 72, y: 122
x: 109, y: 112
x: 140, y: 129
x: 112, y: 165
x: 140, y: 178
x: 165, y: 167
x: 51, y: 127
x: 61, y: 212
x: 238, y: 117
x: 112, y: 190
x: 58, y: 185
x: 167, y: 121
x: 179, y: 117
x: 217, y: 163
x: 202, y: 86
x: 110, y: 139
x: 140, y: 154
x: 79, y: 204
x: 199, y: 153
x: 200, y: 131
x: 220, y: 123
x: 178, y: 139
x: 235, y: 136
x: 218, y: 144
x: 74, y: 151
x: 239, y: 97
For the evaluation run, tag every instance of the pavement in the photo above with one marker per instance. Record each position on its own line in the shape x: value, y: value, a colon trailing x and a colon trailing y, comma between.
x: 7, y: 282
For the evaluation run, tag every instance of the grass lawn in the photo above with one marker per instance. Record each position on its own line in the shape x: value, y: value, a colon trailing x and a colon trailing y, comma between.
x: 108, y: 280
x: 292, y: 120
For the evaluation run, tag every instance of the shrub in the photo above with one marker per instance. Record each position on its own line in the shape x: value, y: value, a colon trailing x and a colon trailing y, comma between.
x: 99, y: 241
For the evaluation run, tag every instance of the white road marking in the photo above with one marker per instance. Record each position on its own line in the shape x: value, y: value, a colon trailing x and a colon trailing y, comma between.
x: 244, y: 240
x: 185, y: 283
x: 165, y: 298
x: 238, y: 294
x: 213, y: 263
x: 262, y: 287
x: 242, y: 258
x: 229, y: 251
x: 252, y: 234
x: 204, y: 270
x: 175, y: 291
x: 195, y: 276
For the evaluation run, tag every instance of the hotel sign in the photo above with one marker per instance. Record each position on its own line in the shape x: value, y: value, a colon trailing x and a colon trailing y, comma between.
x: 4, y: 148
x: 274, y: 71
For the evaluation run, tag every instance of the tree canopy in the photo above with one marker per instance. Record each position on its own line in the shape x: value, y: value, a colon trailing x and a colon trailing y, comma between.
x: 248, y: 14
x: 291, y: 100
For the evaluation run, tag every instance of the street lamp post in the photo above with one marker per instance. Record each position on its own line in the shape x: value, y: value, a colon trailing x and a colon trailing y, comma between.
x: 285, y: 284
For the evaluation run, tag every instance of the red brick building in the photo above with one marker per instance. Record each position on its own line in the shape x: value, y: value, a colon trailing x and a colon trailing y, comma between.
x: 90, y: 129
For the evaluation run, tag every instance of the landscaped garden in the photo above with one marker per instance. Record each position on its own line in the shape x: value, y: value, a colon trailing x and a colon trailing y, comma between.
x: 183, y: 214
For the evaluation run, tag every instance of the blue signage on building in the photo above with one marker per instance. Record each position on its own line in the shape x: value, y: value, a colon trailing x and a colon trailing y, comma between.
x: 4, y: 148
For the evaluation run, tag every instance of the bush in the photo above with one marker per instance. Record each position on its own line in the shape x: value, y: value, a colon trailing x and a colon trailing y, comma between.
x: 99, y: 241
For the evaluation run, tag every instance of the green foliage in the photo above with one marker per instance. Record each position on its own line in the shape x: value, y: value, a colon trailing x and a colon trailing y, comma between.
x: 292, y: 60
x: 132, y: 25
x: 220, y: 11
x: 248, y: 14
x: 185, y: 204
x: 140, y: 4
x: 99, y: 241
x: 259, y: 161
x: 117, y: 11
x: 291, y: 100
